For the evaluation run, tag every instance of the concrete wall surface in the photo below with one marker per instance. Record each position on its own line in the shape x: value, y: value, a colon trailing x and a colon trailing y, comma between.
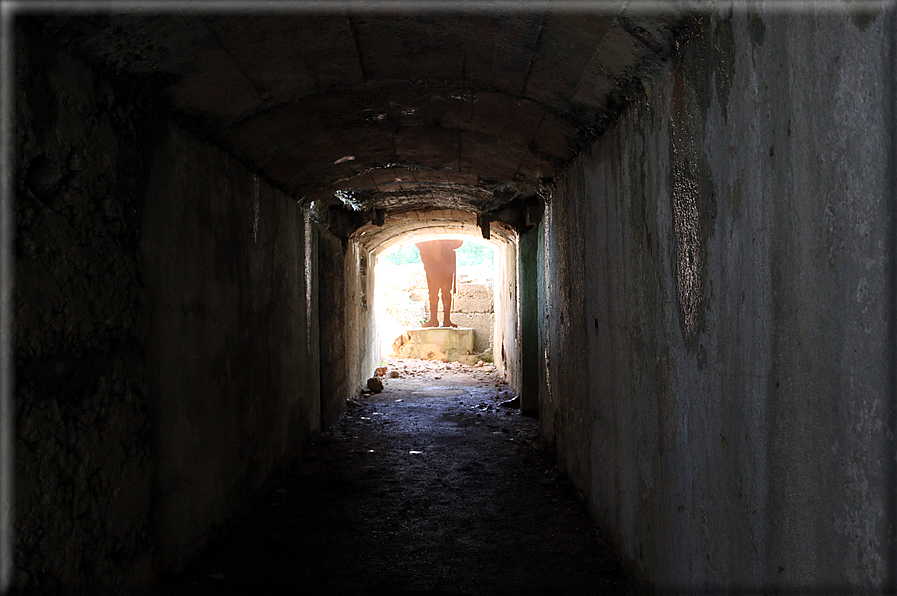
x: 717, y: 300
x: 505, y: 346
x: 335, y: 383
x: 472, y: 307
x: 82, y: 455
x: 233, y: 345
x: 166, y: 347
x: 528, y: 315
x: 362, y: 341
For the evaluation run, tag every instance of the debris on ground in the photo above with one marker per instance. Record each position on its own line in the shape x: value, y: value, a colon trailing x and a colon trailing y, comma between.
x: 375, y: 384
x: 510, y: 403
x: 428, y: 487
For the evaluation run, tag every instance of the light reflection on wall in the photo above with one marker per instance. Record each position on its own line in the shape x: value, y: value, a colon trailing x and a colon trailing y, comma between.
x: 686, y: 190
x: 690, y: 250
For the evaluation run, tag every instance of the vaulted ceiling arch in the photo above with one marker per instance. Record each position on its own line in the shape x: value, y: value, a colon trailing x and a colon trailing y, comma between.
x: 366, y: 110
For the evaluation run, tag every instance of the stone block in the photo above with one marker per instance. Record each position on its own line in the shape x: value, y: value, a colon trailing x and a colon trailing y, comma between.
x: 448, y: 344
x: 481, y: 323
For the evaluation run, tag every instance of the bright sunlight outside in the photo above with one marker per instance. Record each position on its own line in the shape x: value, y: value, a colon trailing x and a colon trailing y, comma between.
x: 402, y: 298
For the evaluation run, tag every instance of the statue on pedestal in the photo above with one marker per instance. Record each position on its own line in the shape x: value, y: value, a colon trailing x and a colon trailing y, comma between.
x: 438, y: 257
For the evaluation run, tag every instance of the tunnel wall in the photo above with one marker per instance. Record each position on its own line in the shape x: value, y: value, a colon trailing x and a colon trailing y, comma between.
x: 350, y: 349
x: 335, y: 382
x: 166, y: 332
x: 83, y: 458
x: 233, y: 345
x: 528, y: 321
x: 362, y: 340
x: 718, y: 311
x: 505, y: 349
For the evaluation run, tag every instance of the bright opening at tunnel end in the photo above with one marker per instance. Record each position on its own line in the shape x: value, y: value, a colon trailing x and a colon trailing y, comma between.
x: 402, y: 300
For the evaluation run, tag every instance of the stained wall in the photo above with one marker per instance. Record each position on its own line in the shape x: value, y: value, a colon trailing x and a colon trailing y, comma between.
x: 717, y: 300
x: 506, y: 342
x: 336, y: 385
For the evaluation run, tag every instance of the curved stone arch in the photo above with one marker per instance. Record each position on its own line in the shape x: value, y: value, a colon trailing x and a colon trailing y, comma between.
x: 419, y: 226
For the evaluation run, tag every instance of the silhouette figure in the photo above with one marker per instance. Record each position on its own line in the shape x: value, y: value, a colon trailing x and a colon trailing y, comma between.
x: 438, y: 257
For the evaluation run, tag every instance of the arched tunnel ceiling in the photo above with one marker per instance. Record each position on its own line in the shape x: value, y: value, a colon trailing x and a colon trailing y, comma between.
x: 418, y: 226
x: 389, y: 111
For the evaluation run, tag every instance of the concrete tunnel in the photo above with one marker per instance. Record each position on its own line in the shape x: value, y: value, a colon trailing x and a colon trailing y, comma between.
x: 695, y: 209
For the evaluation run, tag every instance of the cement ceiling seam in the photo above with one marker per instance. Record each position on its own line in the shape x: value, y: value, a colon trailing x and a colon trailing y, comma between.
x: 354, y: 29
x: 595, y: 54
x: 237, y: 67
x: 534, y: 55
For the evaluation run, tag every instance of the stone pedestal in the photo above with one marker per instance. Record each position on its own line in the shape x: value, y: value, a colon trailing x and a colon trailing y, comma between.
x: 449, y: 344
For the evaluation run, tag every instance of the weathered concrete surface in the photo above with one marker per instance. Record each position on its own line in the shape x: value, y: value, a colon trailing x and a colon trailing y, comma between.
x: 167, y: 348
x: 362, y: 343
x: 233, y: 344
x: 428, y: 224
x: 389, y: 109
x: 335, y: 384
x: 473, y: 307
x: 718, y: 311
x: 83, y: 463
x: 473, y: 298
x: 528, y: 312
x: 506, y: 345
x: 717, y: 317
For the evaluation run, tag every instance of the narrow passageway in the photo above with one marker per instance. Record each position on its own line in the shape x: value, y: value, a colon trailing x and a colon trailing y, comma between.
x: 429, y: 487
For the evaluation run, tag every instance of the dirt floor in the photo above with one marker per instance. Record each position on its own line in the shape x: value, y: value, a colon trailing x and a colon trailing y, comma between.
x: 429, y: 487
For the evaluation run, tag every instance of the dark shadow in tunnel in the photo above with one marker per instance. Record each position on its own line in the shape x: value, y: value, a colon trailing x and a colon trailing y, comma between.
x: 428, y: 487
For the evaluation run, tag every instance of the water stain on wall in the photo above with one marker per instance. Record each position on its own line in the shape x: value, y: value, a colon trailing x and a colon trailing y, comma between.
x: 724, y: 49
x: 693, y: 203
x: 756, y: 28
